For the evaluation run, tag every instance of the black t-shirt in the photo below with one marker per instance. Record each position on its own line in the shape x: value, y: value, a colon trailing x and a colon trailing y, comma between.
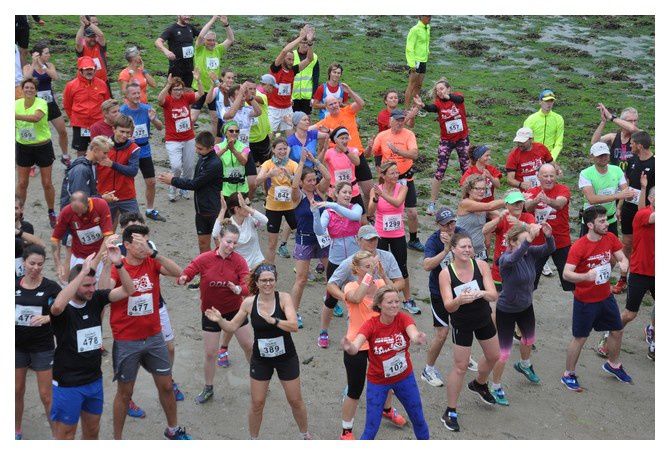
x: 19, y: 243
x: 180, y: 42
x: 635, y: 169
x: 29, y: 303
x: 79, y: 337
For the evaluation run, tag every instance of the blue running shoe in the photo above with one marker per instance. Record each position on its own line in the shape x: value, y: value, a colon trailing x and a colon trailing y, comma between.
x: 178, y: 396
x: 135, y: 411
x: 619, y: 373
x: 299, y: 321
x: 338, y: 312
x: 571, y: 383
x: 179, y: 434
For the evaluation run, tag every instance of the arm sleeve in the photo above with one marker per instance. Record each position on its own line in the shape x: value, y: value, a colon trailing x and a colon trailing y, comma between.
x: 409, y: 48
x: 242, y: 274
x: 315, y: 76
x: 200, y: 180
x: 320, y: 223
x: 508, y: 259
x: 132, y: 167
x: 354, y: 213
x: 431, y: 108
x: 192, y: 269
x: 458, y: 99
x: 545, y: 249
x: 106, y: 219
x: 258, y: 216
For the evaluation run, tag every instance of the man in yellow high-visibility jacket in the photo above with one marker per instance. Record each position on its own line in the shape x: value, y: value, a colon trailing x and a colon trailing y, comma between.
x: 546, y: 124
x: 306, y: 81
x: 416, y: 53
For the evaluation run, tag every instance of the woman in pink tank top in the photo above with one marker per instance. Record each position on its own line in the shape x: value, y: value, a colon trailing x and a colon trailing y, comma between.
x: 342, y: 161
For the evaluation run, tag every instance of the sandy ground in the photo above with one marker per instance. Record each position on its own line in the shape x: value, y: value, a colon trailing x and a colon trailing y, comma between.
x: 607, y: 409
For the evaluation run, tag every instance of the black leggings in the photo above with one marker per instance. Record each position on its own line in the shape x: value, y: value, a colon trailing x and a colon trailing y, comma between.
x: 356, y: 366
x: 330, y: 301
x: 398, y: 247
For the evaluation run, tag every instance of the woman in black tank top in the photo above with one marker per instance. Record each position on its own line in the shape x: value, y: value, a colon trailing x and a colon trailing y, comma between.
x: 273, y: 317
x: 467, y: 288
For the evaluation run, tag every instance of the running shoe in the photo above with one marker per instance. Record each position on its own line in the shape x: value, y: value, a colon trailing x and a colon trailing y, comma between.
x: 601, y: 349
x: 283, y: 251
x: 649, y: 334
x: 178, y: 395
x: 154, y: 215
x: 222, y: 358
x: 619, y: 373
x: 571, y: 382
x: 185, y: 194
x: 65, y: 159
x: 18, y: 436
x: 347, y: 436
x: 410, y: 307
x: 195, y: 284
x: 546, y: 270
x: 323, y: 340
x: 179, y: 434
x: 52, y: 219
x: 483, y: 391
x: 472, y: 365
x: 432, y: 376
x: 307, y: 436
x: 320, y: 268
x: 394, y: 417
x: 499, y: 396
x: 204, y: 396
x: 300, y: 326
x: 431, y: 209
x: 651, y: 352
x: 528, y: 372
x: 416, y: 245
x: 620, y: 286
x: 338, y: 311
x: 450, y: 421
x: 135, y: 411
x: 172, y: 194
x: 421, y: 113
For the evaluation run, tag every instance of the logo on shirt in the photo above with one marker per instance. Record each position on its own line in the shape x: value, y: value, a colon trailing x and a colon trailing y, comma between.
x: 18, y: 293
x: 217, y: 284
x: 182, y: 112
x: 394, y: 343
x: 599, y: 259
x: 143, y: 284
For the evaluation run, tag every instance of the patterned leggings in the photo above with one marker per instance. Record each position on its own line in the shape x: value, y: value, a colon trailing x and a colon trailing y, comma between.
x: 444, y: 151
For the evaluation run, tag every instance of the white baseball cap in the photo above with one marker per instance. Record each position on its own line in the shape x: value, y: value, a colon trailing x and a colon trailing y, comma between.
x: 600, y: 148
x: 523, y: 134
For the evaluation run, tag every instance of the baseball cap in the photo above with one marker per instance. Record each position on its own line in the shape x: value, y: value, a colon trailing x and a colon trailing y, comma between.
x: 444, y: 216
x: 88, y: 31
x: 269, y: 79
x: 514, y: 196
x: 546, y: 95
x: 397, y: 114
x: 599, y: 148
x: 523, y: 134
x: 85, y: 62
x: 367, y: 232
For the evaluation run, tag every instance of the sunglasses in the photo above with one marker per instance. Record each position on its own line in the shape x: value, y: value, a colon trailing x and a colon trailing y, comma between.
x: 234, y: 131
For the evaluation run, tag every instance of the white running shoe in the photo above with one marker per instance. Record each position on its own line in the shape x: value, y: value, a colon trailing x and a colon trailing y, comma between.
x: 472, y: 365
x: 432, y: 376
x: 546, y: 270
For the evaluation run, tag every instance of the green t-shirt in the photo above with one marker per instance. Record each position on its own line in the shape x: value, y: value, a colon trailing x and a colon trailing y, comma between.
x: 207, y: 61
x: 604, y: 185
x: 233, y: 169
x: 28, y: 132
x: 260, y: 126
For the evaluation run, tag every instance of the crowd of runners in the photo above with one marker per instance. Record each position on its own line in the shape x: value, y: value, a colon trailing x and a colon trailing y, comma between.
x: 282, y: 155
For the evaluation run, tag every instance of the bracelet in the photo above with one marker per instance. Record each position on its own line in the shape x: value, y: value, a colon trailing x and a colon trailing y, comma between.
x: 119, y: 265
x: 276, y: 324
x: 226, y: 25
x: 375, y: 199
x: 154, y: 254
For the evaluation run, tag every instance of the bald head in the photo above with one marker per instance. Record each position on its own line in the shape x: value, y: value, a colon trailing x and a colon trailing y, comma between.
x: 546, y: 174
x: 332, y: 104
x: 79, y: 202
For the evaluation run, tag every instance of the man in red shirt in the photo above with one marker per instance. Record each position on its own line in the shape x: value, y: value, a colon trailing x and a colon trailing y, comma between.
x: 82, y: 98
x: 136, y: 329
x: 90, y: 42
x: 642, y: 267
x: 550, y: 202
x: 89, y: 222
x: 594, y: 308
x: 105, y: 127
x: 525, y: 159
x: 284, y: 71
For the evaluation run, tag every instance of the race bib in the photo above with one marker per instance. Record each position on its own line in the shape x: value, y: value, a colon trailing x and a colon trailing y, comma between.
x: 542, y: 215
x: 96, y: 60
x: 85, y: 132
x: 324, y: 240
x: 244, y: 137
x: 284, y: 89
x: 635, y: 199
x: 18, y: 267
x: 607, y: 191
x: 141, y: 131
x: 282, y: 194
x: 233, y: 172
x: 603, y: 273
x: 395, y: 365
x: 212, y: 63
x: 392, y: 222
x: 46, y: 95
x: 488, y: 192
x: 532, y: 179
x: 454, y: 126
x: 27, y: 134
x: 254, y: 121
x: 271, y: 347
x: 141, y: 305
x: 472, y: 286
x: 89, y: 236
x: 343, y: 175
x: 23, y: 314
x: 89, y: 339
x: 183, y: 124
x: 187, y: 52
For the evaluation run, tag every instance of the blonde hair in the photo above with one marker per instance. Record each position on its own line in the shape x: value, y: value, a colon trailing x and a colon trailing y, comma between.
x: 442, y: 80
x: 470, y: 183
x: 358, y: 259
x: 108, y: 104
x: 101, y: 142
x: 384, y: 168
x: 379, y: 297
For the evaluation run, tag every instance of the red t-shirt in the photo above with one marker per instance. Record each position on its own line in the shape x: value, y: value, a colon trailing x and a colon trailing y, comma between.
x: 388, y: 356
x: 558, y: 220
x: 89, y: 230
x: 177, y: 115
x: 137, y: 317
x: 501, y: 243
x: 642, y: 260
x: 101, y: 128
x: 215, y: 272
x: 452, y: 119
x: 490, y: 190
x: 586, y: 255
x: 280, y: 97
x: 384, y: 120
x: 526, y: 164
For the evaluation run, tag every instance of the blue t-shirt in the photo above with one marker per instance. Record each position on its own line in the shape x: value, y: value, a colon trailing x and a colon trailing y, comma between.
x: 296, y: 146
x: 142, y: 131
x: 433, y: 247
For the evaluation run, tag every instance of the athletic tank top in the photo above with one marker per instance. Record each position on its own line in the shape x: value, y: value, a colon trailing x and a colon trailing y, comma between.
x: 270, y: 342
x: 326, y: 92
x: 340, y: 226
x: 341, y: 169
x: 388, y: 219
x: 472, y: 224
x: 620, y: 153
x: 44, y: 89
x: 304, y: 220
x: 472, y: 315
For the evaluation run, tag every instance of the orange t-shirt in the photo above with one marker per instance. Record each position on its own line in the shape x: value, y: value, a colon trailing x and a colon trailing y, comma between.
x: 404, y: 140
x: 138, y: 76
x: 347, y: 119
x: 359, y: 313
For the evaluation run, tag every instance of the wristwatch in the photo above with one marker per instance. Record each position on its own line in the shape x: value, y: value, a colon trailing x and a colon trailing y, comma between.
x: 119, y: 265
x: 154, y: 254
x: 613, y: 117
